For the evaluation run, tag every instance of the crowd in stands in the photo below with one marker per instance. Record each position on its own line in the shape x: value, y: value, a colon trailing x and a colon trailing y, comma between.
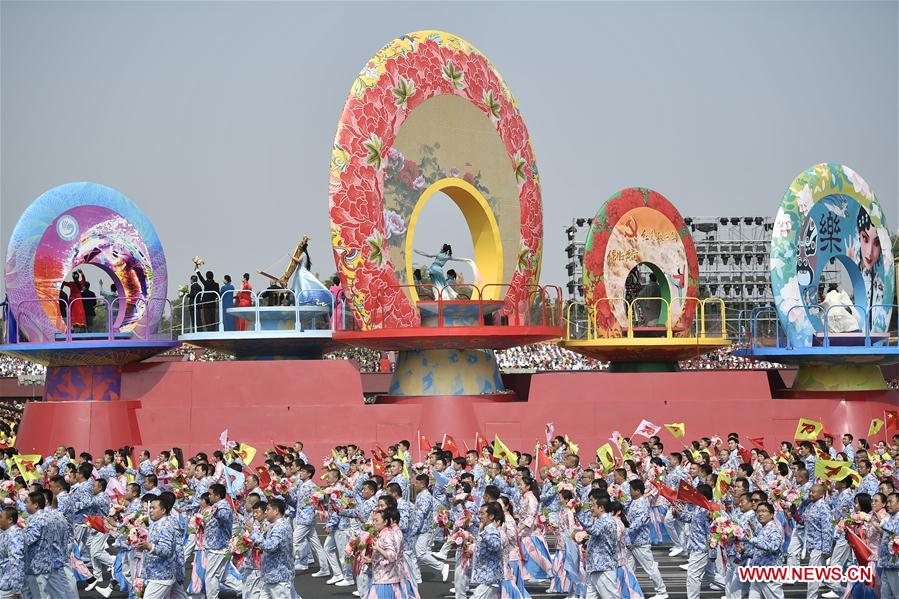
x: 11, y: 367
x: 545, y: 357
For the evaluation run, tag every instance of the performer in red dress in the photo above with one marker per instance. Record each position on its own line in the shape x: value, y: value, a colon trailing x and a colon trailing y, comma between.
x: 244, y: 300
x: 76, y: 306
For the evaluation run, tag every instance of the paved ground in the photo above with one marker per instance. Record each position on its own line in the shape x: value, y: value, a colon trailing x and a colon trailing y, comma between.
x: 433, y: 588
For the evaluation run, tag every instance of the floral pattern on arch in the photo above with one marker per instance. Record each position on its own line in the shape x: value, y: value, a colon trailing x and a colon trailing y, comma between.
x: 402, y: 75
x: 611, y: 320
x: 819, y: 218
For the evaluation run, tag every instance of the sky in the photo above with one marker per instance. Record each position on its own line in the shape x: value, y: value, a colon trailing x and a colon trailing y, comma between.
x: 217, y: 118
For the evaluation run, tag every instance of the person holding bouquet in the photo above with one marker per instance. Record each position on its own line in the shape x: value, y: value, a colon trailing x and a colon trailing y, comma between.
x: 537, y: 561
x: 487, y: 560
x: 276, y: 570
x: 160, y: 558
x: 767, y: 550
x: 248, y: 561
x: 390, y: 578
x: 568, y: 569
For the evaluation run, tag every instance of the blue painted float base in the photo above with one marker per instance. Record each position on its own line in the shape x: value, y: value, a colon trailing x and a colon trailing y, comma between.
x: 444, y: 372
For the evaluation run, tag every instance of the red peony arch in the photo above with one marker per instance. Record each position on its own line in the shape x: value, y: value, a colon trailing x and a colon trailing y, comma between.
x: 405, y: 73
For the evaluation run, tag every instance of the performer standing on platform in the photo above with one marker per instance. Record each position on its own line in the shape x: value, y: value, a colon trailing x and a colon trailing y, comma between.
x: 77, y: 319
x: 435, y: 271
x: 244, y: 300
x: 227, y: 291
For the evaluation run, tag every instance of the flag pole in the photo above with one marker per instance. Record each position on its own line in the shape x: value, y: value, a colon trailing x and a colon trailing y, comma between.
x: 419, y: 444
x: 885, y: 427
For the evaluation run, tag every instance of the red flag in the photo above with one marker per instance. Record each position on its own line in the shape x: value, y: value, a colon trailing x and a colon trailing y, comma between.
x: 690, y: 495
x: 758, y: 442
x: 745, y: 455
x: 279, y: 449
x: 423, y: 443
x: 666, y: 492
x: 449, y: 444
x: 480, y: 442
x: 379, y: 453
x: 862, y: 552
x: 97, y: 523
x: 264, y: 478
x: 377, y: 467
x: 891, y: 420
x: 543, y: 460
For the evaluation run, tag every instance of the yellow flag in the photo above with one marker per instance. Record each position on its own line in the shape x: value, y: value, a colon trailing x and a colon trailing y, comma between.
x: 571, y: 445
x: 246, y: 453
x: 808, y: 430
x: 27, y: 465
x: 129, y: 477
x: 722, y: 485
x: 501, y: 452
x: 624, y: 448
x: 606, y: 457
x: 677, y: 429
x: 875, y: 427
x: 834, y: 470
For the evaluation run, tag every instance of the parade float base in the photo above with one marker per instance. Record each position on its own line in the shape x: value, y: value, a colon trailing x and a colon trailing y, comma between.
x: 188, y: 404
x: 94, y: 352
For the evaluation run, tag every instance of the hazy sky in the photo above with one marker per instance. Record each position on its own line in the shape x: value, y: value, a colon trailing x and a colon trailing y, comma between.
x: 217, y: 118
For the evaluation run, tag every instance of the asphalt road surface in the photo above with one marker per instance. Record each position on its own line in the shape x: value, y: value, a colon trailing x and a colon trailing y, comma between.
x: 433, y: 588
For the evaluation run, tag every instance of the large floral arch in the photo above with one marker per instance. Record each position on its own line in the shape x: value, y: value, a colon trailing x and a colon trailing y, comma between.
x: 401, y: 76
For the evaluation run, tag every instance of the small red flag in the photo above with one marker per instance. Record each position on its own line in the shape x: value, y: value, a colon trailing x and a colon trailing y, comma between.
x: 279, y: 449
x: 891, y: 420
x: 667, y: 492
x: 543, y: 460
x: 480, y: 442
x: 97, y: 523
x: 264, y: 478
x: 449, y: 444
x: 758, y: 442
x: 745, y: 455
x: 423, y: 443
x: 690, y: 495
x: 862, y: 552
x: 377, y: 467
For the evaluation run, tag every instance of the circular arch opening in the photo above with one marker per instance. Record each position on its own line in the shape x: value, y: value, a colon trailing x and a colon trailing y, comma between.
x: 840, y: 274
x: 644, y: 282
x: 106, y: 289
x: 485, y: 236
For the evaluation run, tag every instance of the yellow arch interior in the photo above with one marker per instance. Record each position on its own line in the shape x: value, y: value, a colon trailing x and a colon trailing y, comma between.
x: 485, y: 237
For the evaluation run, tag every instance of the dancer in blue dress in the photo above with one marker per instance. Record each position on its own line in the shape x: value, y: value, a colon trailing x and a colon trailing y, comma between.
x: 438, y: 279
